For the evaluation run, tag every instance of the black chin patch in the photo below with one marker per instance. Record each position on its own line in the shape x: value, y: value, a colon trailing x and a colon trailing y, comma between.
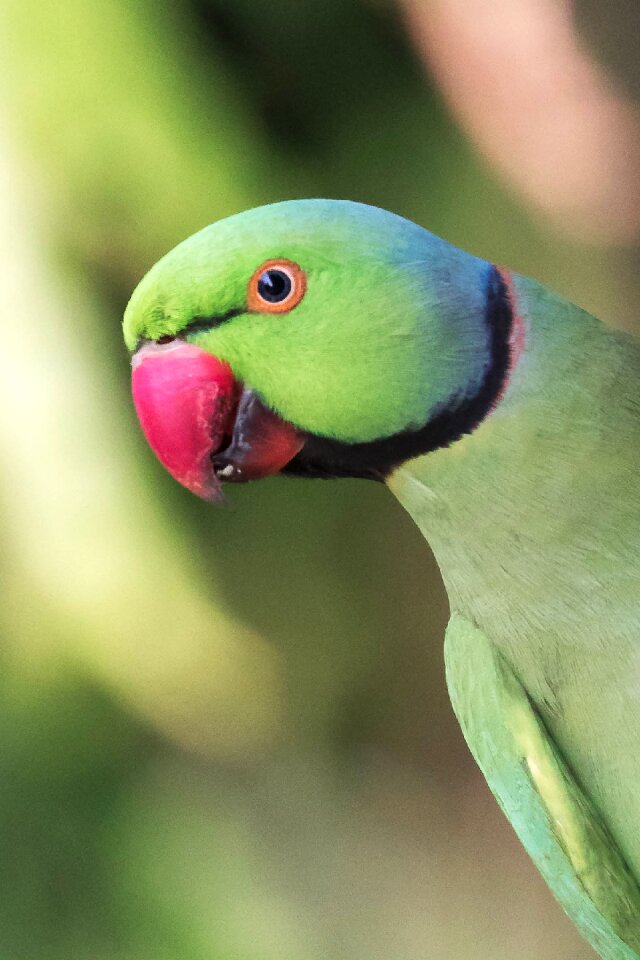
x: 323, y: 457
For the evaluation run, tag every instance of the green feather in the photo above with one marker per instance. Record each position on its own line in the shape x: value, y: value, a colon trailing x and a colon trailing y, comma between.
x: 534, y: 516
x: 554, y: 819
x: 534, y: 521
x: 386, y: 317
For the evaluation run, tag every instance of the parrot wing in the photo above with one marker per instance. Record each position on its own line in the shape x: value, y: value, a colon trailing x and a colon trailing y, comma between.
x: 554, y: 819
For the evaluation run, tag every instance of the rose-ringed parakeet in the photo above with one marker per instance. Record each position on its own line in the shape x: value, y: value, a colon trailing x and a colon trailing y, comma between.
x: 328, y: 338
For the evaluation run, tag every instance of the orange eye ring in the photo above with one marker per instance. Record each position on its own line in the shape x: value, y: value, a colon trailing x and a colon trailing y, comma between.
x: 276, y: 287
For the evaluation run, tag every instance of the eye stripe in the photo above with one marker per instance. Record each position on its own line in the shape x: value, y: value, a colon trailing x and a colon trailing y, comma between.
x: 255, y: 302
x: 209, y: 323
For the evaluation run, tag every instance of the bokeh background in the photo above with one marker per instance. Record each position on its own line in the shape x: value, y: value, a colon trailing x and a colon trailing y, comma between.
x: 224, y: 735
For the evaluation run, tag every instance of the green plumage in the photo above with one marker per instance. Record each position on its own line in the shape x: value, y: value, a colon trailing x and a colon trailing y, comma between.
x: 533, y: 514
x: 534, y: 519
x: 552, y: 816
x: 358, y: 332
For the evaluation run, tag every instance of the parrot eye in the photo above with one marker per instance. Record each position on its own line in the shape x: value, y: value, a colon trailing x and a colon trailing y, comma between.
x: 276, y: 287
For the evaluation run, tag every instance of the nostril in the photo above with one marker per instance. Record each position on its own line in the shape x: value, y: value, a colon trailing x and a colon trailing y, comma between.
x: 167, y: 338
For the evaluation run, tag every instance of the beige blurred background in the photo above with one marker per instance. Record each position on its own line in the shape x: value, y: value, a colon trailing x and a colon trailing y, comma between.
x: 224, y: 735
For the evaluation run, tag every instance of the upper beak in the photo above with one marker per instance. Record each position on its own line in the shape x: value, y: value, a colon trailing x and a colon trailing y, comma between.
x: 202, y: 424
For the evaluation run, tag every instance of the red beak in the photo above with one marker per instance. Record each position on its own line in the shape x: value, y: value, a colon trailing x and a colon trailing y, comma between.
x: 200, y: 422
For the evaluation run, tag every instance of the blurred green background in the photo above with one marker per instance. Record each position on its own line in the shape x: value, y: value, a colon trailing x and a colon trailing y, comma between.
x: 224, y: 734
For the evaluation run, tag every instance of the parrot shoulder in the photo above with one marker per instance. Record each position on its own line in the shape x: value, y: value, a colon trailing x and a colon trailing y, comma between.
x: 554, y: 819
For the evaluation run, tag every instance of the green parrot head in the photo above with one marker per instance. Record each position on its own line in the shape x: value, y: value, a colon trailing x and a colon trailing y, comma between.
x: 314, y: 336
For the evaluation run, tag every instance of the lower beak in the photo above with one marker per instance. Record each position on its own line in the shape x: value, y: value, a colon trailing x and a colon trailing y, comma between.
x: 201, y: 423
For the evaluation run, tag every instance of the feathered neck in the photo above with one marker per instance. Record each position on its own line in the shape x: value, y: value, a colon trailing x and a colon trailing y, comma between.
x: 523, y: 501
x: 500, y: 328
x: 534, y: 521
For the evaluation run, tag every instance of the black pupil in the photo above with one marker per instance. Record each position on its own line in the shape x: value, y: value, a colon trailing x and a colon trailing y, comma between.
x: 274, y: 286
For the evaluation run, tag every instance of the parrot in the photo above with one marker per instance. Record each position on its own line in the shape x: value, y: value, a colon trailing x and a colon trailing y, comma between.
x: 330, y: 338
